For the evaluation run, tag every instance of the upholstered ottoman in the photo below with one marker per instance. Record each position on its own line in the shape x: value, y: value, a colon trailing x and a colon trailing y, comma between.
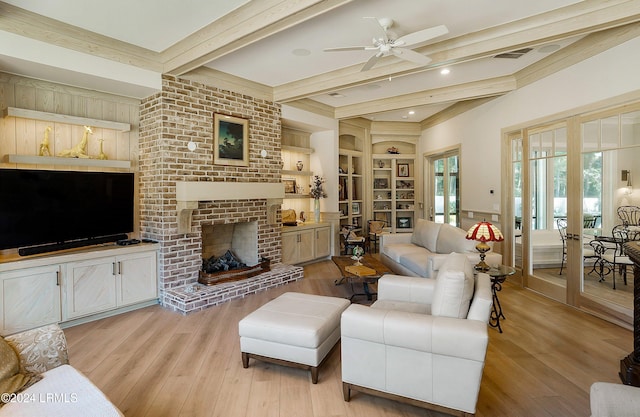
x: 294, y: 329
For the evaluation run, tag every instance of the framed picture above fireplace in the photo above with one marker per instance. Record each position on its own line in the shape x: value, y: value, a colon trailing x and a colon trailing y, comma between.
x: 230, y: 140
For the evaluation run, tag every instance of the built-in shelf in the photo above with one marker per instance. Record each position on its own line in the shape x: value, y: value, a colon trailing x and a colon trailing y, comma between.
x: 56, y: 160
x: 298, y: 149
x: 296, y: 172
x: 63, y: 118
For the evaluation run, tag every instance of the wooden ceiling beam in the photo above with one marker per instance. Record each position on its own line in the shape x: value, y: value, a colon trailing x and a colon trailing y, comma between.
x: 477, y: 89
x: 249, y: 23
x: 579, y: 19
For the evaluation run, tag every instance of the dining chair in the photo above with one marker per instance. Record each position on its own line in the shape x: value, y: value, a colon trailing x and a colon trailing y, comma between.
x: 610, y: 249
x: 562, y: 229
x: 629, y: 215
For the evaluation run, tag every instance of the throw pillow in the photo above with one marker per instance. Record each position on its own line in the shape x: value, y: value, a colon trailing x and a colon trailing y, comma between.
x: 11, y: 380
x: 454, y: 287
x: 425, y: 234
x: 40, y: 349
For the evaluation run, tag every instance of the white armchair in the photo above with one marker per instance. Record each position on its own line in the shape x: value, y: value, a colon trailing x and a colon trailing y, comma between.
x: 614, y: 400
x: 423, y: 342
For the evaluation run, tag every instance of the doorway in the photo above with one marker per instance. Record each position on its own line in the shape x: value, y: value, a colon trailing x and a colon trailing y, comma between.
x: 443, y: 187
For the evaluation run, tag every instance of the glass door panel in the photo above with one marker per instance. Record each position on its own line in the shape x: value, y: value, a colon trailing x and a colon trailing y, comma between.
x: 547, y: 256
x: 444, y: 206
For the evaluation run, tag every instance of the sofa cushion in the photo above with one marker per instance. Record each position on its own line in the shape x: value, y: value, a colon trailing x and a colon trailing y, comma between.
x: 417, y: 262
x: 425, y: 234
x: 63, y: 391
x: 453, y: 239
x: 396, y: 251
x: 454, y: 287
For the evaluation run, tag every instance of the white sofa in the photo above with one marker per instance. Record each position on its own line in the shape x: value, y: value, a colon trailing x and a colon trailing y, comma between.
x: 423, y: 341
x: 422, y: 252
x: 59, y: 389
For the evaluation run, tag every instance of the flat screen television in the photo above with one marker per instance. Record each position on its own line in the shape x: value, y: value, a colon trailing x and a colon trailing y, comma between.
x: 53, y: 208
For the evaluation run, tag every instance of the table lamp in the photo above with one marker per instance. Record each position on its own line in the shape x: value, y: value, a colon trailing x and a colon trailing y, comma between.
x: 484, y: 232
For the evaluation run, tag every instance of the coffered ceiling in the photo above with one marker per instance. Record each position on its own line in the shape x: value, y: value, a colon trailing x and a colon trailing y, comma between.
x: 275, y: 48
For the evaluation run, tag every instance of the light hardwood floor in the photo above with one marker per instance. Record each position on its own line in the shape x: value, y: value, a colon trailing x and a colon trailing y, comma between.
x: 152, y: 362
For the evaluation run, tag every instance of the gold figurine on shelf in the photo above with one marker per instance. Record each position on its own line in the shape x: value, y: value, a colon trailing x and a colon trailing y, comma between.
x: 80, y: 150
x: 102, y: 155
x: 44, y: 146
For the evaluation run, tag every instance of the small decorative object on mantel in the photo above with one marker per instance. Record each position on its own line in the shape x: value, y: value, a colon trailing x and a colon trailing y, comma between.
x: 393, y: 150
x: 317, y: 192
x: 80, y: 150
x: 44, y: 146
x: 299, y: 165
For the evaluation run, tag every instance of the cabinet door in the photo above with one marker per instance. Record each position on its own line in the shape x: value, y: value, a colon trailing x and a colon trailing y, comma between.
x: 90, y: 287
x: 290, y: 248
x: 306, y: 245
x: 30, y: 298
x: 323, y: 242
x: 138, y: 278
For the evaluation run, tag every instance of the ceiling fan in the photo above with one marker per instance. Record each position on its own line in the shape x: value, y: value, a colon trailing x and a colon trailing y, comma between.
x: 390, y: 44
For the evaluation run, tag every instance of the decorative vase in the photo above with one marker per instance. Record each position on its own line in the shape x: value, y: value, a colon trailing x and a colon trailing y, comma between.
x: 299, y: 165
x: 316, y: 210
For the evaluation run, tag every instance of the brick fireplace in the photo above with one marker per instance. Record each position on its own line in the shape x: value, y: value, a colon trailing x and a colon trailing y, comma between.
x: 181, y: 189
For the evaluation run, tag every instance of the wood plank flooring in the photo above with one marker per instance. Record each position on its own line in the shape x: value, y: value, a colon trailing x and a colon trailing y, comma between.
x: 152, y: 362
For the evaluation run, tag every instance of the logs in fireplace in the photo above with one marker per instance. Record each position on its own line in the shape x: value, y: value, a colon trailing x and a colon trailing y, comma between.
x: 228, y: 267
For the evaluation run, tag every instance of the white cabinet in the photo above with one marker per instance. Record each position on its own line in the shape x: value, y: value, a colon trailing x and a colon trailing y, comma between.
x: 96, y: 285
x: 138, y: 278
x: 306, y: 242
x: 100, y: 281
x: 30, y: 298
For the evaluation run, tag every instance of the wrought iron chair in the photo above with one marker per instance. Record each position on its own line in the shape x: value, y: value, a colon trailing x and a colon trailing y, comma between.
x: 610, y: 249
x: 350, y: 240
x: 562, y: 229
x: 629, y: 215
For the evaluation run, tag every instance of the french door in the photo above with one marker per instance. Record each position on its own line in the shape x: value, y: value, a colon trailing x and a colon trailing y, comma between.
x: 443, y: 187
x: 567, y: 181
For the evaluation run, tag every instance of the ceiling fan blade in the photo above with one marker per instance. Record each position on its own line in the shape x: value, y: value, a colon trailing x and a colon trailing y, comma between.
x: 421, y: 36
x: 349, y: 48
x: 410, y: 55
x: 383, y: 30
x: 371, y: 62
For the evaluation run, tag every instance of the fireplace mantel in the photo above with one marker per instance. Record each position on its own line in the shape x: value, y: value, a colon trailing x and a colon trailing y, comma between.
x: 189, y: 193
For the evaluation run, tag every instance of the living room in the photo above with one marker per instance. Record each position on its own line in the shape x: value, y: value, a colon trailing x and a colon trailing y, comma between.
x: 166, y: 121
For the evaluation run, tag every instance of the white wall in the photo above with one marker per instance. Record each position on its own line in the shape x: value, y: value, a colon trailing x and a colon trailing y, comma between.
x: 607, y: 75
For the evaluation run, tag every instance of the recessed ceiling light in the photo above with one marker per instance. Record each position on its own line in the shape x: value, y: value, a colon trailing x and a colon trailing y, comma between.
x: 445, y: 71
x: 405, y: 117
x: 411, y: 112
x: 301, y: 52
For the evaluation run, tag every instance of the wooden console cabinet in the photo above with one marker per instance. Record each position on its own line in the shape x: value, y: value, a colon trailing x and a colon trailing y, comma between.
x: 306, y: 242
x: 58, y: 288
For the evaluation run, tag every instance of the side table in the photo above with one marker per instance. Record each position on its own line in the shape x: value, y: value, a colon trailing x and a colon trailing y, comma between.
x: 498, y: 274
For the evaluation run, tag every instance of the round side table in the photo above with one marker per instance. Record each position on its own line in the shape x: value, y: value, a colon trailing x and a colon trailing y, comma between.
x: 498, y: 274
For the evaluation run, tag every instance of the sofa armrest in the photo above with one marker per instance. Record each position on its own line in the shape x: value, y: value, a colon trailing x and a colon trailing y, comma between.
x: 460, y: 338
x: 40, y: 349
x: 614, y: 400
x: 409, y: 289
